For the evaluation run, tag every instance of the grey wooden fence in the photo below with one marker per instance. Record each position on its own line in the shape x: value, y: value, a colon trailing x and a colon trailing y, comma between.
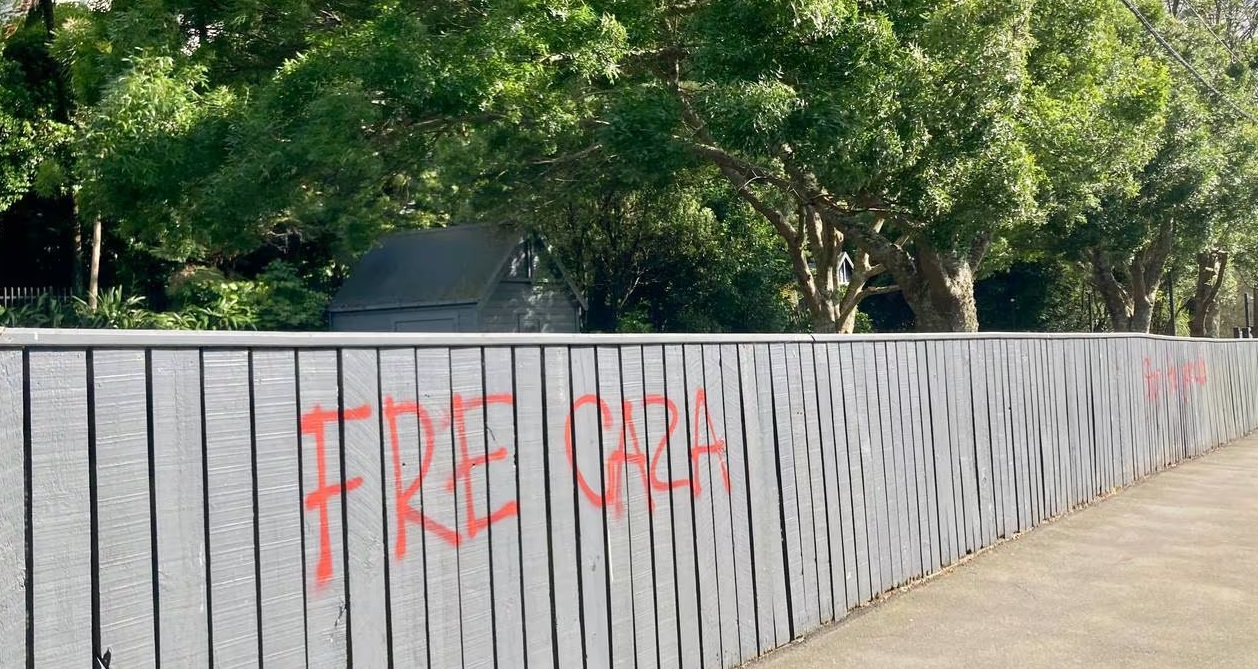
x: 207, y: 500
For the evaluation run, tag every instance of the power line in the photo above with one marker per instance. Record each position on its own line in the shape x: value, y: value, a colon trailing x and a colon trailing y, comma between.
x: 1149, y: 28
x: 1210, y: 28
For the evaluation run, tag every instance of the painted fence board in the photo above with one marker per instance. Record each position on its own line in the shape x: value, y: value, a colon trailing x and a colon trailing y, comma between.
x: 586, y: 458
x: 467, y: 480
x: 1092, y: 481
x: 893, y: 455
x: 125, y: 572
x: 441, y: 513
x: 661, y: 418
x: 61, y: 578
x: 615, y: 506
x: 876, y: 470
x: 981, y: 409
x: 1019, y: 427
x: 844, y: 541
x: 639, y: 506
x: 692, y: 628
x: 1107, y: 420
x: 534, y: 499
x: 502, y: 523
x: 915, y: 429
x: 179, y: 494
x: 793, y: 556
x: 714, y: 464
x: 1038, y: 432
x: 814, y: 478
x: 905, y: 375
x: 962, y: 423
x: 324, y: 490
x: 408, y: 429
x: 888, y: 406
x: 366, y: 542
x: 802, y: 473
x: 229, y: 476
x: 706, y: 558
x: 13, y: 610
x: 832, y: 539
x: 1062, y: 442
x: 925, y: 420
x: 563, y: 496
x: 766, y: 506
x: 278, y: 457
x: 945, y: 496
x: 856, y: 416
x: 1007, y: 429
x: 737, y: 497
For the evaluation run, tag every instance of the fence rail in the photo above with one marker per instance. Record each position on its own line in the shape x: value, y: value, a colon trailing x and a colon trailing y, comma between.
x: 15, y: 296
x: 199, y: 500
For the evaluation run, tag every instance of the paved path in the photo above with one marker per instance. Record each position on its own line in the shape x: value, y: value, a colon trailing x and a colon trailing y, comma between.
x: 1164, y: 574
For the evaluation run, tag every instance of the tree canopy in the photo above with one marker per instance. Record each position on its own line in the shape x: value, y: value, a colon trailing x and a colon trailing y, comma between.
x: 738, y: 148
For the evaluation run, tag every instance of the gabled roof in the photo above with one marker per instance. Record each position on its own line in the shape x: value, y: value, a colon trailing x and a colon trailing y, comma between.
x: 455, y: 265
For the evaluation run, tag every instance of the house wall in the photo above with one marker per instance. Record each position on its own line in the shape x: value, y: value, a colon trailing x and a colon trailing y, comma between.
x: 416, y: 319
x: 243, y: 500
x: 518, y: 306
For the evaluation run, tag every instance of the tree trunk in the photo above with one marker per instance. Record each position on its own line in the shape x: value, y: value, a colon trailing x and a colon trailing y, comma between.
x: 847, y: 322
x: 1213, y: 320
x: 76, y: 270
x: 942, y: 294
x: 1117, y: 301
x: 814, y: 247
x: 1142, y: 311
x: 1130, y: 291
x: 1211, y: 268
x: 93, y: 285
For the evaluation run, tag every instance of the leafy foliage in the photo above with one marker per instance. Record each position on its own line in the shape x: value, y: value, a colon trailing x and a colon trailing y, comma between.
x: 698, y: 166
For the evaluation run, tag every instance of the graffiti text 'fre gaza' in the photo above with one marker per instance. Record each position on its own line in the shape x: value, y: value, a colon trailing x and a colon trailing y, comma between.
x: 625, y: 456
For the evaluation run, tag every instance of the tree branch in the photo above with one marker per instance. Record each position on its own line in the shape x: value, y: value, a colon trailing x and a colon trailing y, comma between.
x: 894, y: 258
x: 978, y: 249
x: 879, y: 290
x: 742, y: 188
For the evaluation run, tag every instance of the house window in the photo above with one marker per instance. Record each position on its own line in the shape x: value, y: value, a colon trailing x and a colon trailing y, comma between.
x: 527, y: 323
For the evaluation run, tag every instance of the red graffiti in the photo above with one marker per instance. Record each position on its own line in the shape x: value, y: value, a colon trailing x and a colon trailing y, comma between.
x: 628, y: 451
x: 716, y: 447
x: 673, y: 416
x: 467, y: 463
x: 1176, y: 379
x: 315, y: 423
x: 626, y: 460
x: 406, y: 513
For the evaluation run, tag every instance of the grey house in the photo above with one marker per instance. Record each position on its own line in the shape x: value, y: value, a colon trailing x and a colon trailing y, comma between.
x: 470, y: 278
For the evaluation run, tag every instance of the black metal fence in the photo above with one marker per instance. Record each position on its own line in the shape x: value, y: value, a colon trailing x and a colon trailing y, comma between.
x: 16, y: 296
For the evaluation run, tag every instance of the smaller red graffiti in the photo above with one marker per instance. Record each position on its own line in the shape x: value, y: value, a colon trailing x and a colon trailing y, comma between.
x: 1177, y: 379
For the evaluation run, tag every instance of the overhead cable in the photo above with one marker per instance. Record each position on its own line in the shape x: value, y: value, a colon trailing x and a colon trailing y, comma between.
x: 1149, y: 28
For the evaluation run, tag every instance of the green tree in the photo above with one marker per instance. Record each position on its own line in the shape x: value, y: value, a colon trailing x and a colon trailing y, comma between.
x: 915, y: 132
x: 1191, y: 205
x: 230, y: 131
x: 35, y: 128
